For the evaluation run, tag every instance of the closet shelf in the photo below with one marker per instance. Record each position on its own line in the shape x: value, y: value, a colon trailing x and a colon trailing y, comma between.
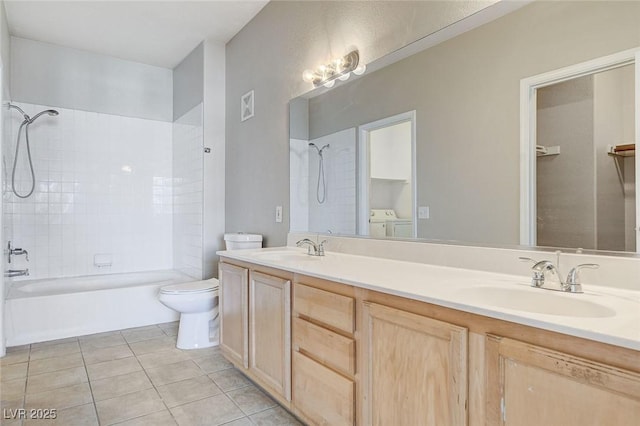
x: 544, y: 151
x: 626, y: 150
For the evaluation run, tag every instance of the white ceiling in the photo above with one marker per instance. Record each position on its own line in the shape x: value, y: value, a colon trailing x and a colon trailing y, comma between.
x: 158, y: 33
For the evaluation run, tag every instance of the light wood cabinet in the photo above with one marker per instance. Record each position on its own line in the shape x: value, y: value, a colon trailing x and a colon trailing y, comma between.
x: 533, y: 385
x: 270, y: 331
x: 416, y: 369
x: 324, y: 364
x: 255, y: 326
x: 334, y: 354
x: 233, y: 311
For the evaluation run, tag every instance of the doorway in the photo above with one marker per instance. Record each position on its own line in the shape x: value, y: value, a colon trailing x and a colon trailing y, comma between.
x: 387, y: 177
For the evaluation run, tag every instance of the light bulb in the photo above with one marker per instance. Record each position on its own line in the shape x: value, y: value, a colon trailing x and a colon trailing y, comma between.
x: 308, y: 76
x: 360, y: 69
x: 330, y: 84
x: 344, y: 76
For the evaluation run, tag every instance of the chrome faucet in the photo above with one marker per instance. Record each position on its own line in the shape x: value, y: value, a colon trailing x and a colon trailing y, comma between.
x: 9, y: 273
x: 15, y: 252
x: 542, y: 267
x: 318, y: 248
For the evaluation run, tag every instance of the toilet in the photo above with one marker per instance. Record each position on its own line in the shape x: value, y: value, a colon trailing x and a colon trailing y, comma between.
x: 197, y: 301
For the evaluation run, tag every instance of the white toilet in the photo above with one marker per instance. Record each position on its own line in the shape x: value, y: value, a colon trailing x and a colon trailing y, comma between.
x: 197, y: 301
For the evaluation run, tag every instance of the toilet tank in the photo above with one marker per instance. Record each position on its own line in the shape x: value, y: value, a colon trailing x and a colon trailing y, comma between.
x: 240, y: 241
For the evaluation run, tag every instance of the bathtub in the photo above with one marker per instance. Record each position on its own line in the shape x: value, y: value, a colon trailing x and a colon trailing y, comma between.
x: 41, y: 310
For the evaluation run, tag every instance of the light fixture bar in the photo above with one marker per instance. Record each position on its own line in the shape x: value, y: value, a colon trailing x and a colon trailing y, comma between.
x: 337, y: 69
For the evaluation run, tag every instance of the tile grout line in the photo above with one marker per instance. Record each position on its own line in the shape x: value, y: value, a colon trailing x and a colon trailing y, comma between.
x: 86, y: 370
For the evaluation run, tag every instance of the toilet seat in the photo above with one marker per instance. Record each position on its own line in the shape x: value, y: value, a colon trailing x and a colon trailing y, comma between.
x: 193, y: 287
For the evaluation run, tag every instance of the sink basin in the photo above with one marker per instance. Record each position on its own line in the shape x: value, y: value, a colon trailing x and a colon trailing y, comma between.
x: 285, y: 255
x: 537, y: 301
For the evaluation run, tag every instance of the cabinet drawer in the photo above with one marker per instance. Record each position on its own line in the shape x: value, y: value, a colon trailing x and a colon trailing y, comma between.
x: 330, y: 348
x: 323, y: 396
x: 329, y: 308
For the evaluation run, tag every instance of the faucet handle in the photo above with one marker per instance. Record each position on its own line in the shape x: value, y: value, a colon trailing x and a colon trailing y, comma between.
x: 321, y: 247
x: 573, y: 279
x: 527, y: 259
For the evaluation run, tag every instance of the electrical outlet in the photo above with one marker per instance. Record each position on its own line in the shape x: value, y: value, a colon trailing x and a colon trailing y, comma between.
x: 423, y: 212
x: 278, y: 214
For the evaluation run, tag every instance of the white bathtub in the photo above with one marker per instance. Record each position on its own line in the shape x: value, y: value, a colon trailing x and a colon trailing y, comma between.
x: 41, y: 310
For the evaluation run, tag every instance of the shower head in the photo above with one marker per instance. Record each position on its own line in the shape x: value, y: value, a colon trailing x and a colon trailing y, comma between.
x: 318, y: 149
x: 51, y: 112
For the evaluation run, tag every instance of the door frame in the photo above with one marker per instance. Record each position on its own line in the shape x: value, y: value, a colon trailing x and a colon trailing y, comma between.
x: 362, y: 208
x: 528, y: 137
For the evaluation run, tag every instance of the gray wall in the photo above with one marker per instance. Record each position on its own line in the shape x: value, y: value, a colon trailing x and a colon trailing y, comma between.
x: 188, y: 82
x: 47, y: 74
x: 5, y: 228
x: 269, y: 55
x: 566, y: 185
x: 466, y: 93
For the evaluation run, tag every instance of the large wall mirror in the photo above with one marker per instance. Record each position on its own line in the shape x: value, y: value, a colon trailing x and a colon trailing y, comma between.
x: 480, y: 170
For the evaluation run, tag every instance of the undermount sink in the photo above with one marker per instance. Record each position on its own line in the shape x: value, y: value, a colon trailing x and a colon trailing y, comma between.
x: 284, y: 255
x: 538, y: 301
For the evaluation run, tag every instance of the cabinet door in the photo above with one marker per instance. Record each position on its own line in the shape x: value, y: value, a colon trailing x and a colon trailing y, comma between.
x: 234, y: 320
x: 415, y: 369
x: 532, y: 385
x: 270, y: 331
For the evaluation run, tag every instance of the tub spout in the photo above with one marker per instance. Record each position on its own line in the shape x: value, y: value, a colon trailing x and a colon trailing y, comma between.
x: 16, y: 273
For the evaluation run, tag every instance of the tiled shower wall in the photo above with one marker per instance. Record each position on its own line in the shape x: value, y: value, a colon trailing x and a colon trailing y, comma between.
x: 187, y: 193
x: 103, y: 187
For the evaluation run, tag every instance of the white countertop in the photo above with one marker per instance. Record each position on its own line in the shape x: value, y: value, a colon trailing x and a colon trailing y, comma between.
x: 603, y: 314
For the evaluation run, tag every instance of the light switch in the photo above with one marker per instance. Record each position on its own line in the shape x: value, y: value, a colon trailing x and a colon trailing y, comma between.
x: 423, y: 212
x: 279, y: 214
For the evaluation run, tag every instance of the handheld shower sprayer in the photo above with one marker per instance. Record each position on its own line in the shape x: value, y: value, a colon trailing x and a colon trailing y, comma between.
x: 27, y: 121
x: 321, y: 177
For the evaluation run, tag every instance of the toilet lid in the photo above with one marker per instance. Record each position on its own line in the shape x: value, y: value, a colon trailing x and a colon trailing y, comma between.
x: 191, y: 287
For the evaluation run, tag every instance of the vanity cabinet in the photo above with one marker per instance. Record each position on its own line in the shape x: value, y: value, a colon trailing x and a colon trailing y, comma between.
x: 233, y: 310
x: 533, y: 385
x: 324, y: 365
x: 416, y: 369
x: 255, y: 325
x: 336, y: 354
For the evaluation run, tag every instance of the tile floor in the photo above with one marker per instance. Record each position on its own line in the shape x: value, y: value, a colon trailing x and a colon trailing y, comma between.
x: 130, y: 377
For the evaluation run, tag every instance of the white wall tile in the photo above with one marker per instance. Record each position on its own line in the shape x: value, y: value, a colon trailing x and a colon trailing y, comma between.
x: 86, y: 201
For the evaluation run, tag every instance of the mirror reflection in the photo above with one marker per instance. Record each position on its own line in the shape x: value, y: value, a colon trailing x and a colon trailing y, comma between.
x: 465, y: 97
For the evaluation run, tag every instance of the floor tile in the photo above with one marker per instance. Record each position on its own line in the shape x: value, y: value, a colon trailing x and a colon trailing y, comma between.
x: 113, y: 368
x: 201, y: 353
x: 53, y: 342
x: 156, y: 359
x: 213, y: 363
x: 153, y: 345
x: 229, y: 379
x: 170, y: 328
x: 57, y: 379
x: 13, y: 371
x: 82, y: 415
x: 174, y: 372
x: 251, y: 400
x: 215, y: 410
x: 240, y: 422
x: 115, y: 386
x: 48, y: 365
x: 160, y: 418
x: 140, y: 334
x: 277, y: 416
x: 111, y: 339
x: 19, y: 348
x: 54, y: 350
x: 14, y: 357
x: 97, y: 336
x: 110, y: 353
x: 60, y: 398
x: 129, y: 406
x: 190, y: 390
x: 13, y: 389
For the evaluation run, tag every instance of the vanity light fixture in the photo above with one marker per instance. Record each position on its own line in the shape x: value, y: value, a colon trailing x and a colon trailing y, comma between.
x: 341, y: 68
